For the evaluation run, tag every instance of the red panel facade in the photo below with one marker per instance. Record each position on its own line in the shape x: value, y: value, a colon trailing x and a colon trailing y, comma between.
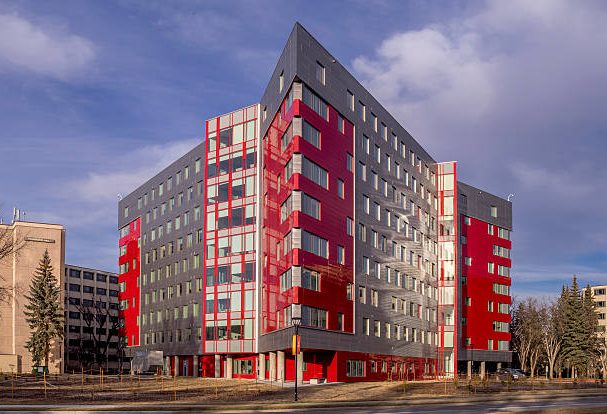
x: 129, y: 262
x: 335, y: 277
x: 274, y: 161
x: 480, y: 306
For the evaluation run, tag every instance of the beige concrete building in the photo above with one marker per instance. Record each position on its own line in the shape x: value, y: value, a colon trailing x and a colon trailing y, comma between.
x: 17, y: 270
x: 599, y: 293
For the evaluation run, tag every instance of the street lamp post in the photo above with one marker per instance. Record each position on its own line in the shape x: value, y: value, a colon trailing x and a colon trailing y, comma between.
x: 296, y: 321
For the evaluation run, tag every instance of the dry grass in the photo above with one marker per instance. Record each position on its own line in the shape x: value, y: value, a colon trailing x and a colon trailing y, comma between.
x: 69, y: 389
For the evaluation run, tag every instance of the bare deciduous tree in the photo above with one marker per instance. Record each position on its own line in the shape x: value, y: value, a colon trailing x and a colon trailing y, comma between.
x: 552, y: 332
x: 102, y: 324
x: 603, y: 356
x: 527, y: 333
x: 9, y: 244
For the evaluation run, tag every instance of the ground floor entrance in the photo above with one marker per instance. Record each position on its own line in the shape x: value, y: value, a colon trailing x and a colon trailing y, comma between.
x: 308, y: 366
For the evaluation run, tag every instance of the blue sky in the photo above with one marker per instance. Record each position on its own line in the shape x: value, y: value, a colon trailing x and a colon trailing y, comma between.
x: 96, y: 97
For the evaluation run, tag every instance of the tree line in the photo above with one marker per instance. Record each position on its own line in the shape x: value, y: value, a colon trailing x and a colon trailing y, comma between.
x: 561, y: 335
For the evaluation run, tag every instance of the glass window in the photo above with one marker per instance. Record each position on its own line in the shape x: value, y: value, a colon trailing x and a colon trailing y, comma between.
x: 349, y: 226
x: 212, y: 169
x: 320, y: 72
x: 314, y: 102
x: 355, y: 368
x: 310, y: 279
x: 314, y: 317
x: 311, y: 134
x: 350, y: 100
x: 237, y: 134
x: 225, y: 138
x: 237, y: 188
x: 310, y: 206
x: 340, y: 188
x: 286, y: 280
x: 341, y: 255
x: 315, y: 173
x: 288, y: 136
x: 288, y: 170
x: 314, y: 244
x: 362, y: 111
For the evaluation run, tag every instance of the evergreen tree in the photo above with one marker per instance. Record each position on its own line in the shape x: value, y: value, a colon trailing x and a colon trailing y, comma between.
x: 44, y: 313
x: 573, y: 333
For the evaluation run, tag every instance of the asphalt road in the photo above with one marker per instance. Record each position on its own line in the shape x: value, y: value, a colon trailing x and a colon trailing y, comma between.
x: 591, y: 404
x: 570, y: 404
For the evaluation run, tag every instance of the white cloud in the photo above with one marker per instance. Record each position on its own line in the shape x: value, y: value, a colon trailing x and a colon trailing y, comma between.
x: 129, y: 172
x: 563, y: 184
x: 514, y: 92
x: 93, y: 199
x: 426, y: 67
x: 46, y: 51
x: 513, y: 61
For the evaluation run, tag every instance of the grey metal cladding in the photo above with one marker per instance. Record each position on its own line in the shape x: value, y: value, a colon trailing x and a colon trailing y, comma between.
x: 131, y: 200
x: 273, y: 96
x: 338, y: 341
x: 477, y: 203
x: 484, y: 355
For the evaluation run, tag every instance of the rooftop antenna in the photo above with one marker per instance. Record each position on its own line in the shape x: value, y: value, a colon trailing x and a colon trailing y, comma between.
x: 510, y: 196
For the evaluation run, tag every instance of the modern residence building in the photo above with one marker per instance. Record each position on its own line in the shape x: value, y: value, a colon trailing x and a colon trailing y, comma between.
x: 315, y: 203
x: 92, y: 323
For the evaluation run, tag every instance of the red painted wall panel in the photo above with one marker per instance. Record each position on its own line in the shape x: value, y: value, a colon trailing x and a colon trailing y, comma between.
x: 332, y: 156
x: 130, y: 279
x: 479, y: 287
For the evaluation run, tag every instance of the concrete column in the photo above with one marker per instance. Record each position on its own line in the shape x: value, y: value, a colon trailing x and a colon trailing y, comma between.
x: 229, y: 367
x: 195, y: 366
x: 261, y: 367
x: 469, y: 369
x: 217, y: 366
x: 280, y: 366
x: 165, y: 365
x: 482, y: 370
x: 272, y: 366
x: 300, y: 360
x: 177, y: 365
